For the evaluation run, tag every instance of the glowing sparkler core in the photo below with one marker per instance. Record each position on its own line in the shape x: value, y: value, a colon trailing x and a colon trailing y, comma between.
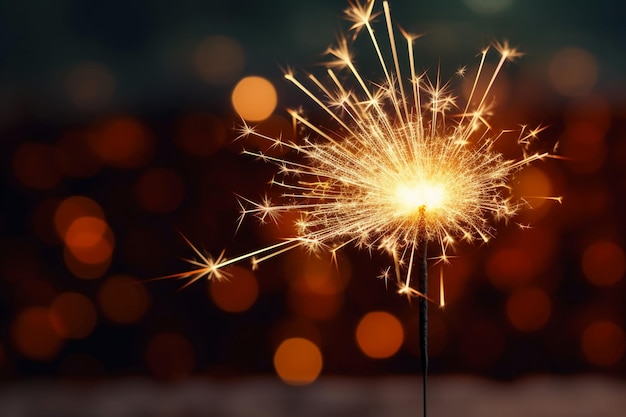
x: 400, y: 165
x: 429, y: 195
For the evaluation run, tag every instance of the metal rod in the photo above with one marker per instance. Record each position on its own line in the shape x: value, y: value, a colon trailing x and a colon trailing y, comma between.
x: 423, y: 314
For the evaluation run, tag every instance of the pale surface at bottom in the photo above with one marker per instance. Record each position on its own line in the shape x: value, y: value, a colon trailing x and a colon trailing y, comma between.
x: 463, y: 396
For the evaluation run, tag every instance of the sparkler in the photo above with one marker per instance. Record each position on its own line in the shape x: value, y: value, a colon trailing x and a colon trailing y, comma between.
x: 402, y: 164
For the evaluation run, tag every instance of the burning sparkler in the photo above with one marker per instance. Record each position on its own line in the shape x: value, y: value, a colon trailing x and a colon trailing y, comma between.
x: 403, y: 164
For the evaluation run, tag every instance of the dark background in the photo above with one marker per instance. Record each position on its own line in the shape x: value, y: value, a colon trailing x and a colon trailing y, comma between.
x: 141, y: 69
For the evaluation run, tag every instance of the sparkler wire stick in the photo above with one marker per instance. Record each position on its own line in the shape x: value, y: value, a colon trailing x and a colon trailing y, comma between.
x: 422, y: 273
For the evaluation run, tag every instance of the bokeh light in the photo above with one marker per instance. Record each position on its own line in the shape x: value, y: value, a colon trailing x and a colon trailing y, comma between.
x: 123, y: 299
x: 298, y: 361
x: 316, y: 284
x: 254, y: 98
x: 89, y: 267
x: 237, y: 293
x: 510, y: 268
x: 88, y: 241
x: 170, y: 356
x: 85, y: 232
x: 319, y: 271
x: 123, y: 142
x: 533, y: 184
x: 73, y: 208
x: 587, y: 121
x: 314, y: 304
x: 529, y: 309
x: 219, y: 59
x: 73, y: 315
x: 603, y: 343
x: 90, y: 85
x: 455, y: 276
x: 34, y: 335
x: 379, y: 334
x: 586, y: 149
x: 603, y: 263
x: 160, y: 190
x: 573, y: 72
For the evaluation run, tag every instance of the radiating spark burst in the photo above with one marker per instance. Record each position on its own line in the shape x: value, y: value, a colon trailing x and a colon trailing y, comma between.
x: 403, y: 164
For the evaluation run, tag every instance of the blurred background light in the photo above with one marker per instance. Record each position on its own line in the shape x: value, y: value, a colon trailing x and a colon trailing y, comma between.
x: 603, y: 263
x: 237, y: 292
x: 603, y: 343
x: 34, y: 334
x: 533, y: 184
x: 85, y: 232
x: 379, y: 334
x: 254, y: 98
x: 123, y: 299
x: 73, y: 208
x: 219, y: 59
x: 88, y: 241
x: 528, y: 309
x: 73, y: 315
x: 587, y: 123
x: 123, y: 142
x: 90, y: 86
x: 509, y: 268
x: 298, y: 361
x: 573, y: 72
x: 89, y: 263
x: 316, y: 284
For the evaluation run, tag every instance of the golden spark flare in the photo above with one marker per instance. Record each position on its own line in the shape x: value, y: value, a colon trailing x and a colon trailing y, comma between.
x: 403, y: 163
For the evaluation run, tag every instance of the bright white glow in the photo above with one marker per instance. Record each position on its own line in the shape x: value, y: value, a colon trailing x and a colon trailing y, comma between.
x: 412, y: 197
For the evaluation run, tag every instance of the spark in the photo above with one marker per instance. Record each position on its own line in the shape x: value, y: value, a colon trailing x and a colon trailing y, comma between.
x: 403, y: 161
